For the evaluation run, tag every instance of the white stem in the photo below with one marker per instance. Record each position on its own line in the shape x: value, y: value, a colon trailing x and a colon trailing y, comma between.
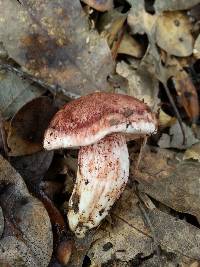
x: 103, y: 170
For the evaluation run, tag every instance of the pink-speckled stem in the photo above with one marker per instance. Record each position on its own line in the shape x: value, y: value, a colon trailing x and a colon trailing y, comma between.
x: 103, y: 170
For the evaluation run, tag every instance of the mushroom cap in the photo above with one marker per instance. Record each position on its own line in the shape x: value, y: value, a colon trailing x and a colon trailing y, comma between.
x: 88, y: 119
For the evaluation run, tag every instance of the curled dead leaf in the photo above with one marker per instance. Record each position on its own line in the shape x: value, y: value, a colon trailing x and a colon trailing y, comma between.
x: 27, y: 127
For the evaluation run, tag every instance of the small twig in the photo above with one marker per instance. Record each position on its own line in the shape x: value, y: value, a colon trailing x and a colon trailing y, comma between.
x: 117, y: 45
x: 55, y: 215
x: 142, y: 205
x: 141, y: 152
x: 171, y: 100
x: 148, y: 222
x: 3, y: 136
x: 52, y: 88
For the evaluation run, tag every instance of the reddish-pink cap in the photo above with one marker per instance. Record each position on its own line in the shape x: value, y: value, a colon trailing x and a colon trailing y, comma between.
x: 88, y: 119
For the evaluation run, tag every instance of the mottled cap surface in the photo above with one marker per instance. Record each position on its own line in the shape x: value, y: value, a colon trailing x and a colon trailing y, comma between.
x: 88, y: 119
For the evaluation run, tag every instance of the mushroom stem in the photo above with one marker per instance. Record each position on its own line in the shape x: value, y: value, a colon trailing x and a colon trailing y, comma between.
x: 103, y: 170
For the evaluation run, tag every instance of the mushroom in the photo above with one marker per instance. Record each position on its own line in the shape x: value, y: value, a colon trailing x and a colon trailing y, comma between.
x: 100, y: 124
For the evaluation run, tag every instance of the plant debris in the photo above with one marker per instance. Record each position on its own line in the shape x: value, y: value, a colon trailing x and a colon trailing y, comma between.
x: 52, y: 52
x: 27, y: 236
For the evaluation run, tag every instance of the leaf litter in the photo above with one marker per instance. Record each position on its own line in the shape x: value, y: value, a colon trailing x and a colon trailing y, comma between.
x: 53, y: 42
x: 51, y: 51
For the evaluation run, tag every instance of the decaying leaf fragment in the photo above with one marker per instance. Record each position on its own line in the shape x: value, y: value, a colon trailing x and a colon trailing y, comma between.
x: 165, y: 68
x: 196, y: 50
x: 129, y: 238
x: 175, y: 137
x: 52, y: 41
x: 173, y: 33
x: 186, y: 91
x: 171, y: 5
x: 164, y: 176
x: 130, y: 46
x: 140, y: 84
x: 27, y: 127
x: 110, y: 25
x: 14, y: 93
x: 27, y: 236
x: 165, y: 120
x: 167, y: 30
x: 193, y: 152
x: 33, y: 167
x: 139, y: 20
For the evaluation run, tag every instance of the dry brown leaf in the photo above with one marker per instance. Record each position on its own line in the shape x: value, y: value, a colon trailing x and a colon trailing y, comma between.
x: 173, y: 33
x: 110, y: 25
x: 165, y: 120
x: 141, y: 21
x: 33, y: 167
x: 140, y: 84
x: 27, y: 239
x: 187, y: 93
x: 194, y: 264
x: 27, y: 127
x: 51, y: 188
x: 126, y: 238
x: 167, y: 29
x: 130, y: 46
x: 51, y: 39
x: 171, y: 5
x: 165, y: 177
x: 152, y: 58
x: 170, y: 67
x: 175, y: 137
x: 193, y: 152
x: 196, y: 50
x: 130, y: 239
x: 79, y: 251
x: 15, y: 92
